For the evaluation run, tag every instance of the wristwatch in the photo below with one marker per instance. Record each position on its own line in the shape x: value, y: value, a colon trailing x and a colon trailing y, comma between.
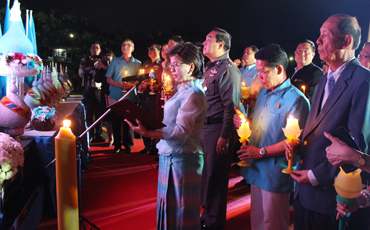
x: 263, y: 152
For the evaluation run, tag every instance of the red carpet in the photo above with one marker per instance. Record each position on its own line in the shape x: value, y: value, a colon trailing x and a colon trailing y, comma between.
x: 120, y: 193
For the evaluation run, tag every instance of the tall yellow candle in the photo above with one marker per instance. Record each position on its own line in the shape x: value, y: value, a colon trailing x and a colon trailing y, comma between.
x: 66, y: 175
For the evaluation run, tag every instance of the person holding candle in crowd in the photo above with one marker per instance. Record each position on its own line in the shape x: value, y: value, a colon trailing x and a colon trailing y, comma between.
x: 218, y: 136
x: 341, y: 99
x: 103, y: 65
x: 339, y: 154
x: 249, y: 71
x: 180, y: 152
x: 172, y: 42
x: 115, y: 74
x: 279, y: 99
x: 147, y: 100
x: 162, y: 71
x: 306, y: 74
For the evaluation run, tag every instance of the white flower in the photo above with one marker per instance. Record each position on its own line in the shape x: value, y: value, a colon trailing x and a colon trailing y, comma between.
x: 24, y: 61
x: 11, y: 157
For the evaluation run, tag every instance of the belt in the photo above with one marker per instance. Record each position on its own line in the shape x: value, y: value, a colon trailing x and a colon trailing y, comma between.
x: 212, y: 121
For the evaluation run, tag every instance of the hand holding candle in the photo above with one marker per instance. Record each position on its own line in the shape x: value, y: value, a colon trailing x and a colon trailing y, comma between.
x: 348, y: 187
x: 244, y: 133
x: 291, y: 131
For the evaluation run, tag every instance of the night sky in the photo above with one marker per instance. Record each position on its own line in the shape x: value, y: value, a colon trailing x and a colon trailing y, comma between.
x: 257, y: 22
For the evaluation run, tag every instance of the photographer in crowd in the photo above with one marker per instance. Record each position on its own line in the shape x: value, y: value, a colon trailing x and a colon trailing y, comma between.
x: 91, y: 90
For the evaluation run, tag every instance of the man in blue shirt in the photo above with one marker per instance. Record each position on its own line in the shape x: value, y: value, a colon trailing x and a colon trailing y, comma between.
x: 249, y: 71
x: 125, y: 65
x: 279, y: 99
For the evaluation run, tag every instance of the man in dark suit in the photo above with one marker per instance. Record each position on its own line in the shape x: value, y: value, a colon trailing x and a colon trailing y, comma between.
x: 306, y: 74
x: 342, y: 98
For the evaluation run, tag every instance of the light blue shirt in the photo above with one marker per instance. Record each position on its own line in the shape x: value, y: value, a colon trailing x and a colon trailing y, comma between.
x: 116, y: 71
x: 184, y: 116
x: 248, y: 74
x: 270, y: 116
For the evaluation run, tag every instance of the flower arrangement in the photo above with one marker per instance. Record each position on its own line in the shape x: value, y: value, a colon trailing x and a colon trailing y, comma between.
x: 31, y: 61
x: 43, y: 118
x: 11, y: 157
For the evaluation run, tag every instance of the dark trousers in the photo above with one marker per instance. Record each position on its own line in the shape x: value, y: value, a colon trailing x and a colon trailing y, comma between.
x: 93, y: 109
x: 215, y: 178
x: 305, y: 219
x: 148, y: 104
x: 128, y: 133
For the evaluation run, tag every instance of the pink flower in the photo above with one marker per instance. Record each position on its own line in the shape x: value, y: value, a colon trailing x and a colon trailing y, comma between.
x: 19, y: 56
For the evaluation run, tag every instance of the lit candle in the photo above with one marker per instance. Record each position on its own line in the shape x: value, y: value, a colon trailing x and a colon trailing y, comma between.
x: 151, y: 70
x: 303, y: 89
x: 245, y: 91
x: 66, y: 178
x: 244, y: 133
x: 291, y: 131
x: 141, y: 71
x: 126, y: 73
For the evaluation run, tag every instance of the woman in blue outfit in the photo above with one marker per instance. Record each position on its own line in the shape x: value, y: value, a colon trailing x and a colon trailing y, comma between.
x: 181, y: 155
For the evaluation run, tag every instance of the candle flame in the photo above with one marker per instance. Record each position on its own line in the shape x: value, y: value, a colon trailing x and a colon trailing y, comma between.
x: 126, y: 73
x: 151, y: 70
x: 243, y: 84
x: 303, y: 87
x: 292, y: 130
x: 66, y: 123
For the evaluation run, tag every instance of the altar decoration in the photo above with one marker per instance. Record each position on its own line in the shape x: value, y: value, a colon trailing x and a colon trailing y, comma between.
x: 348, y: 187
x: 244, y: 133
x: 18, y: 58
x: 11, y: 157
x: 11, y: 160
x: 20, y: 65
x: 291, y: 131
x: 66, y: 176
x: 43, y: 118
x: 14, y: 113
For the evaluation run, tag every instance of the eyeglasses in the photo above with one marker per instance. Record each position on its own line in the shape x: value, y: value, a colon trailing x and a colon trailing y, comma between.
x: 95, y: 48
x: 176, y: 65
x: 362, y: 56
x: 123, y: 45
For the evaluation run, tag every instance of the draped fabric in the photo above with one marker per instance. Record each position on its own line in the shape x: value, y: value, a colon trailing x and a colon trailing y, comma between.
x: 179, y: 174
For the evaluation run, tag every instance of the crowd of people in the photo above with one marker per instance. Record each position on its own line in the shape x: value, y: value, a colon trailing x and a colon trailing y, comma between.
x: 197, y: 145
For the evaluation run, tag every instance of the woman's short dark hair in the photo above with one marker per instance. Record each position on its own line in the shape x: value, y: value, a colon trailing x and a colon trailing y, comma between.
x: 189, y: 53
x: 108, y: 52
x: 274, y: 55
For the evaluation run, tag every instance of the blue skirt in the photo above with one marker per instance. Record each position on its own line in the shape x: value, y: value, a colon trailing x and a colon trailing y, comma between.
x: 178, y: 196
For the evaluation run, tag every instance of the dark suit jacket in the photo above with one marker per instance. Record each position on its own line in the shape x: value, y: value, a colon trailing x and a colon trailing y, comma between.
x: 347, y: 105
x: 309, y: 76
